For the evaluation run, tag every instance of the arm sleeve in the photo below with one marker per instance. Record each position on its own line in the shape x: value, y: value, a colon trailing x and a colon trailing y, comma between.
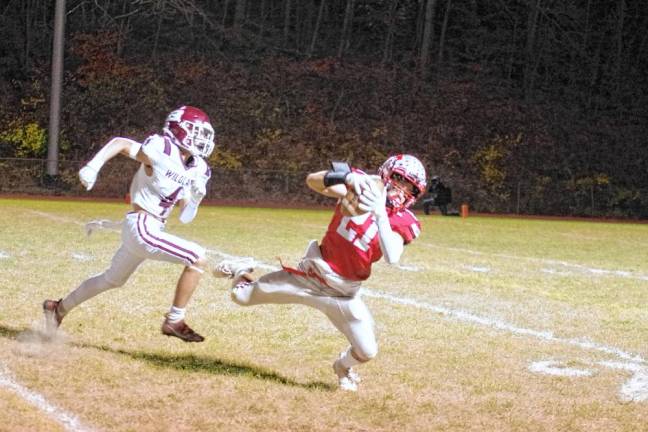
x: 190, y: 210
x: 406, y: 225
x: 391, y: 243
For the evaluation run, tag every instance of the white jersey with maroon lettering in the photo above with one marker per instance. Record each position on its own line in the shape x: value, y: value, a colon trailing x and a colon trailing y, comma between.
x: 170, y: 180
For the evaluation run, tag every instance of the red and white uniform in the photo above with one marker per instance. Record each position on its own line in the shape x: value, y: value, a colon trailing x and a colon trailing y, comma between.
x: 329, y: 275
x: 351, y: 243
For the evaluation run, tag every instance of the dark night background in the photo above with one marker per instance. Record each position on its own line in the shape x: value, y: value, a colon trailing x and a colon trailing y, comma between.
x: 530, y: 106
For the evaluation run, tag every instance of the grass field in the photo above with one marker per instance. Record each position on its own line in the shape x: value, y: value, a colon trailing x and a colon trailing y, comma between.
x: 489, y: 324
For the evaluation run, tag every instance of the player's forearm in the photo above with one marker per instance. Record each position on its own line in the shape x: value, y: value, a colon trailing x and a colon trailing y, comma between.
x: 315, y: 181
x: 189, y: 210
x: 391, y: 244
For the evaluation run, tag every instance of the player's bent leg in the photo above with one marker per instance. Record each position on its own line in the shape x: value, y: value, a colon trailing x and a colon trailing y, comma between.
x: 122, y: 266
x: 278, y: 287
x: 149, y: 237
x: 353, y: 319
x: 174, y: 323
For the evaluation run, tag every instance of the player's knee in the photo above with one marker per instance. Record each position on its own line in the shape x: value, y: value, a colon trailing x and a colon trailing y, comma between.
x: 201, y: 262
x: 110, y: 281
x: 366, y: 351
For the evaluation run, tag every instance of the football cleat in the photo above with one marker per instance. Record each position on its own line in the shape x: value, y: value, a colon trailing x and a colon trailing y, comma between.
x: 234, y: 268
x: 181, y: 330
x: 53, y: 318
x: 348, y: 379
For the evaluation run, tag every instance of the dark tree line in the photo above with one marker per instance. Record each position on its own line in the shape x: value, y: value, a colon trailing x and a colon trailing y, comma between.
x: 535, y: 101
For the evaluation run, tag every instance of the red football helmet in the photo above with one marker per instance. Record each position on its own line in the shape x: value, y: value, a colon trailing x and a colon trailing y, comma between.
x: 189, y: 128
x: 405, y: 168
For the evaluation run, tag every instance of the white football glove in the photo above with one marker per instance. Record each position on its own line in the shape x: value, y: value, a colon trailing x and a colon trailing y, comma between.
x: 88, y: 176
x: 373, y: 199
x: 358, y: 182
x: 198, y: 189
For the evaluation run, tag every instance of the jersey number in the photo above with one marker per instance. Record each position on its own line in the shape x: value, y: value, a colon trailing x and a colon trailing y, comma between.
x: 360, y: 235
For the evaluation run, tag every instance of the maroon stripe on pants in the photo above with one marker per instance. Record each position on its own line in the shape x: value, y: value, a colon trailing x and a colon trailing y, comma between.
x: 190, y: 259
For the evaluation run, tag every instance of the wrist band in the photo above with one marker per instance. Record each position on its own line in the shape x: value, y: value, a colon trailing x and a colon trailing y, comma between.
x: 335, y: 177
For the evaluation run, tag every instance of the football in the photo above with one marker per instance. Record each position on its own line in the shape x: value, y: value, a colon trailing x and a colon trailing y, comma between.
x: 350, y: 201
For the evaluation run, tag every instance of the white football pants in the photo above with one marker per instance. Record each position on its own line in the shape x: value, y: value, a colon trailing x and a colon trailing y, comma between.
x: 143, y: 237
x: 350, y: 315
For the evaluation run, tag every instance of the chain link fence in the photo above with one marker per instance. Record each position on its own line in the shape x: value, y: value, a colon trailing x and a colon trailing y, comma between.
x: 540, y: 196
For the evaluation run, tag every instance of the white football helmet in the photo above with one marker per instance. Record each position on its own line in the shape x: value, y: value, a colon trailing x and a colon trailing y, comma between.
x: 408, y: 168
x: 189, y: 128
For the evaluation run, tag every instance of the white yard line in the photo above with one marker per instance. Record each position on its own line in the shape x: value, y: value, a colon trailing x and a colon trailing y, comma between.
x: 552, y: 367
x: 81, y: 256
x: 584, y: 268
x: 56, y: 218
x: 69, y: 421
x: 464, y: 316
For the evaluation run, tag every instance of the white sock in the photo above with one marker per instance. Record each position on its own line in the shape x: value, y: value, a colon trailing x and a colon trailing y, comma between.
x: 176, y: 314
x: 347, y: 360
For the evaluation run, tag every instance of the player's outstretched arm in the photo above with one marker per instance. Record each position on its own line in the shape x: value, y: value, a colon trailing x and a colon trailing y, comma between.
x: 88, y: 174
x: 315, y: 181
x: 336, y: 181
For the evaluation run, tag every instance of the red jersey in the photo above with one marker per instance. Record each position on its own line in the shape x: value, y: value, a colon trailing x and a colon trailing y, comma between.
x: 351, y: 244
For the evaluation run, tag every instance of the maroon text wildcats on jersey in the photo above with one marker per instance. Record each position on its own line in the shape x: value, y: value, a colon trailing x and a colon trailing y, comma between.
x: 171, y: 178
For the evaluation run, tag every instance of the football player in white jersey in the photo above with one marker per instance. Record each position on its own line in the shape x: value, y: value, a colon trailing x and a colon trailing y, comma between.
x: 328, y: 278
x: 173, y: 170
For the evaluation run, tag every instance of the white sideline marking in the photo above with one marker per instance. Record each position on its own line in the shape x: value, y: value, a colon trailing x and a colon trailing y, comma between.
x: 500, y: 325
x: 55, y: 218
x: 81, y: 257
x: 552, y: 367
x: 555, y: 272
x: 70, y: 422
x: 636, y: 389
x: 586, y: 269
x: 407, y: 267
x: 478, y: 269
x: 106, y: 224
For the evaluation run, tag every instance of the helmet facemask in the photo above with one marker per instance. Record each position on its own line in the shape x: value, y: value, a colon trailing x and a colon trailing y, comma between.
x: 199, y: 137
x: 400, y: 196
x: 405, y: 180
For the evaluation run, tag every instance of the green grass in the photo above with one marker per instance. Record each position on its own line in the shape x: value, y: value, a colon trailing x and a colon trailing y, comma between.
x: 269, y: 367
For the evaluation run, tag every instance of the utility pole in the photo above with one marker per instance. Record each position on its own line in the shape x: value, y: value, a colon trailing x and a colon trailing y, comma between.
x: 55, y: 96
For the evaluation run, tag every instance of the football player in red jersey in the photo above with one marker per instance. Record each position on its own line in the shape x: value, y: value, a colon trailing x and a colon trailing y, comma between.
x: 329, y: 277
x: 172, y: 171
